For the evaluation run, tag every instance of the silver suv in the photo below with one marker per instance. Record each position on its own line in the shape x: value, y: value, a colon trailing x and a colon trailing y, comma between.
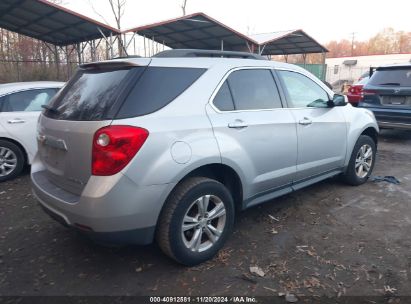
x: 168, y: 148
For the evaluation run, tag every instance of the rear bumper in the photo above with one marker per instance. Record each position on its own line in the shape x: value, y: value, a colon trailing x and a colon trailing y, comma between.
x: 117, y: 211
x: 393, y: 125
x: 141, y: 236
x: 399, y: 118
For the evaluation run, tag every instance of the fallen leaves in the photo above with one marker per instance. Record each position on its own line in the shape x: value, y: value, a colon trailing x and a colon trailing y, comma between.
x: 273, y: 218
x: 257, y: 271
x: 389, y: 289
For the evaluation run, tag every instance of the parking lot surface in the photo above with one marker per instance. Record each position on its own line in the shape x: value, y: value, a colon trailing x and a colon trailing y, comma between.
x: 328, y: 239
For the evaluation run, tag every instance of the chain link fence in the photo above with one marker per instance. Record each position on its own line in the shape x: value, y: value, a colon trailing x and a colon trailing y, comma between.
x: 340, y: 76
x: 19, y: 70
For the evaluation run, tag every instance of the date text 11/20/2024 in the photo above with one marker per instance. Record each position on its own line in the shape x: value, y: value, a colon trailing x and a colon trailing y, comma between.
x: 187, y: 299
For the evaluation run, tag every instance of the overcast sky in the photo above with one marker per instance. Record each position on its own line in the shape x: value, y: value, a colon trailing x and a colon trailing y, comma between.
x: 323, y: 20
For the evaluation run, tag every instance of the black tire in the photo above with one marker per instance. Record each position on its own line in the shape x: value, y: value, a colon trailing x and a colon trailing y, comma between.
x: 350, y: 176
x: 169, y: 234
x: 19, y: 157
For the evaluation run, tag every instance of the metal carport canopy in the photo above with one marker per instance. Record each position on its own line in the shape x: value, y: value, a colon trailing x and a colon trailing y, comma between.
x: 51, y: 23
x: 196, y: 31
x: 287, y: 43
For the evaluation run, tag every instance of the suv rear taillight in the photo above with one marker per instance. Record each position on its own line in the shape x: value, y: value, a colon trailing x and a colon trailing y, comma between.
x: 114, y: 147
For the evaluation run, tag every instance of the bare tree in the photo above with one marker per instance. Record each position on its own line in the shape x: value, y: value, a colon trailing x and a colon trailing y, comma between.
x: 183, y: 7
x: 117, y: 8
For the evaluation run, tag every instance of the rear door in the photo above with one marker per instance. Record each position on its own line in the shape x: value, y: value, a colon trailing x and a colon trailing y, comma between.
x: 87, y: 103
x: 321, y: 130
x: 253, y: 130
x: 20, y: 112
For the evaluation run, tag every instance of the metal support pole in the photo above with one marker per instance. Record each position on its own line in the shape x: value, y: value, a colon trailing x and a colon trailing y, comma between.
x: 324, y: 69
x: 145, y: 53
x: 68, y: 62
x: 78, y: 47
x: 222, y: 44
x: 260, y: 51
x: 111, y: 46
x: 57, y: 61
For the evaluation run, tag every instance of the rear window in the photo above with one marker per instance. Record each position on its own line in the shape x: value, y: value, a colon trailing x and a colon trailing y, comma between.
x: 89, y: 95
x: 394, y: 77
x: 121, y: 93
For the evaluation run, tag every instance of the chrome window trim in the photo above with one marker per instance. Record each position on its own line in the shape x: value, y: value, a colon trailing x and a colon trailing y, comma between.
x: 30, y: 89
x: 217, y: 89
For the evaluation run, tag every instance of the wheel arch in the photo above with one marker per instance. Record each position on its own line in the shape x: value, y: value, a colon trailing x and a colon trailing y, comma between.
x: 371, y: 132
x: 223, y: 174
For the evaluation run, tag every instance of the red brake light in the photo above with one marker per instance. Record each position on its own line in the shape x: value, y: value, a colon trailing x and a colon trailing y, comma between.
x: 114, y: 147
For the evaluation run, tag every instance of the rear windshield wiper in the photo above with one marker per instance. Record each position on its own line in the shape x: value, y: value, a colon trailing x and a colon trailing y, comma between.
x: 390, y: 83
x: 51, y: 109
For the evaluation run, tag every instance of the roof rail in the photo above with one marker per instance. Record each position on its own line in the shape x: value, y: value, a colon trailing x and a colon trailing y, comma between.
x: 127, y: 57
x: 206, y: 53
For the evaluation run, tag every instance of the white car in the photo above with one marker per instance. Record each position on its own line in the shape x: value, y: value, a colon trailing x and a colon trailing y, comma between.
x: 20, y: 106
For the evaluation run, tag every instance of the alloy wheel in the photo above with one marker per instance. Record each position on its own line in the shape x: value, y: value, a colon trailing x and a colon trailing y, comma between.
x: 363, y: 161
x: 203, y: 223
x: 8, y: 161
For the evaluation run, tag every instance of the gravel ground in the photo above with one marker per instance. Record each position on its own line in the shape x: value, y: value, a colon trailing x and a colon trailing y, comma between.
x: 329, y: 239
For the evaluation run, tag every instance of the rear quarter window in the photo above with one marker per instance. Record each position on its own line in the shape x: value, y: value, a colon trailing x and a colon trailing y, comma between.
x: 156, y: 88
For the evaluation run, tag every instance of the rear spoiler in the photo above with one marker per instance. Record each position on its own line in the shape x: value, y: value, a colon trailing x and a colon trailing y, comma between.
x: 115, y: 64
x: 372, y: 70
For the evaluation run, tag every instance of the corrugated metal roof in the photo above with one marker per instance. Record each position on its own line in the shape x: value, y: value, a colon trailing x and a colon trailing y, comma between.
x: 199, y: 31
x: 195, y: 31
x: 288, y: 42
x: 263, y: 37
x: 49, y: 22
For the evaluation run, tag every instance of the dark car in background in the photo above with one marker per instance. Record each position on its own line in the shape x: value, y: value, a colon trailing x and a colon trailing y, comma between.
x: 388, y: 95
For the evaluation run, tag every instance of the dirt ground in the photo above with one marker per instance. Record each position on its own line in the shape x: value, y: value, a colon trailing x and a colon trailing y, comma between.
x: 329, y: 239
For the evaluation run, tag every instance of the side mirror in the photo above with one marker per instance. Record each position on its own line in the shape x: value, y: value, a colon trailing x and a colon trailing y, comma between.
x: 338, y: 101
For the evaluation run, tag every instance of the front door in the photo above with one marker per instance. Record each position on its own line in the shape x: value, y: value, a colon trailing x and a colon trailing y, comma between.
x: 321, y: 130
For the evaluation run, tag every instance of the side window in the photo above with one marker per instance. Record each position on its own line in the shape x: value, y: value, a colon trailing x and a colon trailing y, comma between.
x: 302, y: 91
x: 27, y: 101
x: 2, y: 100
x: 223, y: 100
x: 254, y: 89
x: 156, y: 88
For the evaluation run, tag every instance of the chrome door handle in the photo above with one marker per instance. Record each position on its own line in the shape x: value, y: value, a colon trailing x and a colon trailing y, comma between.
x: 16, y: 121
x: 237, y: 124
x: 305, y: 121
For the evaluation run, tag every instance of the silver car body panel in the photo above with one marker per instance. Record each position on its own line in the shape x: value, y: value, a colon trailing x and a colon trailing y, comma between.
x: 272, y: 156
